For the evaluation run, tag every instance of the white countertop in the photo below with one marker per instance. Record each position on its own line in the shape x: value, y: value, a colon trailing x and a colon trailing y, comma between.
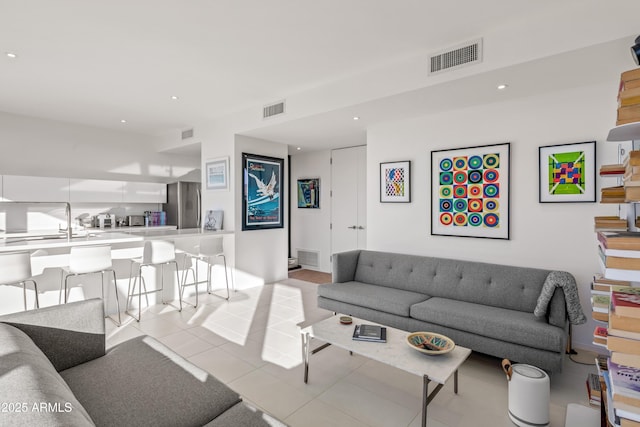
x: 151, y: 233
x: 34, y: 243
x: 31, y: 242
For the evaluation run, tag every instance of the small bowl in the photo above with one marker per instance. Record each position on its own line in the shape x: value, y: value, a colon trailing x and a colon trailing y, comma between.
x: 346, y: 320
x: 430, y: 343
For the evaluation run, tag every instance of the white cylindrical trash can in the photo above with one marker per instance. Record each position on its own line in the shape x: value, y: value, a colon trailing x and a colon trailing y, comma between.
x: 529, y: 394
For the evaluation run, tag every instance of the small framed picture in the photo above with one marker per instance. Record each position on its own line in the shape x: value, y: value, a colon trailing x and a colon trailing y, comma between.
x: 395, y: 182
x: 567, y: 173
x: 217, y: 173
x: 309, y: 193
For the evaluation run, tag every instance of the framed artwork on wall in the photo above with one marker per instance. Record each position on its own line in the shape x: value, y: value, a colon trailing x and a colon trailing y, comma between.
x: 395, y: 182
x: 470, y: 191
x: 217, y: 173
x: 567, y: 173
x: 309, y: 193
x: 213, y: 220
x: 262, y: 196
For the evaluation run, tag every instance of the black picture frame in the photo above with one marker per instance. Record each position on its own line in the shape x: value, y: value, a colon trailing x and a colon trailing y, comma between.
x: 262, y: 192
x: 567, y: 173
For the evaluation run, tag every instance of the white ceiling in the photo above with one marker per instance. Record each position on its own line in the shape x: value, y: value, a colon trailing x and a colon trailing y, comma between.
x: 96, y: 63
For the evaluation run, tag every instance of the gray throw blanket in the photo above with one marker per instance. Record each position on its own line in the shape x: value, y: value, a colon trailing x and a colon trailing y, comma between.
x: 565, y: 281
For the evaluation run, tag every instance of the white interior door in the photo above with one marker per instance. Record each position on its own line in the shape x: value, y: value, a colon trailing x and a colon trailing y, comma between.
x: 348, y: 201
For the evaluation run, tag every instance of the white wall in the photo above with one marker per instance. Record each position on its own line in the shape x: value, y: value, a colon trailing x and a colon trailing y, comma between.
x: 310, y: 227
x: 551, y: 236
x: 39, y: 147
x: 261, y: 255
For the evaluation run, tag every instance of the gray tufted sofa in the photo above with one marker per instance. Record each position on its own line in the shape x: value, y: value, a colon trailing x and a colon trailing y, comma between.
x: 54, y: 371
x: 485, y: 307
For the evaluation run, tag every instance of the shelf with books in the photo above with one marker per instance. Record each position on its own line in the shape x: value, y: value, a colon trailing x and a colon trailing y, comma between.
x: 618, y: 248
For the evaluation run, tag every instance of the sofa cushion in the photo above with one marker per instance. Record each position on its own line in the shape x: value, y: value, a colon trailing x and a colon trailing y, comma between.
x: 389, y: 300
x: 515, y: 288
x: 506, y: 325
x: 33, y: 392
x: 143, y: 383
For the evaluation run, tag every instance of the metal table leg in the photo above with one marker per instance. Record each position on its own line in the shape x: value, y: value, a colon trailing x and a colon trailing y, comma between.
x: 427, y: 398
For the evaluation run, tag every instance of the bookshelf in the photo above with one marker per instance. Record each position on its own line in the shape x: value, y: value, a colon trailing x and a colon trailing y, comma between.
x: 613, y: 413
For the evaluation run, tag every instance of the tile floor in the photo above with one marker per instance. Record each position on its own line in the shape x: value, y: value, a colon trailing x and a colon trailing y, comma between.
x: 252, y: 344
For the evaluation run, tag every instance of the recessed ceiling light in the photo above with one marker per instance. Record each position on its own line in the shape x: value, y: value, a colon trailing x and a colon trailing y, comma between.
x: 356, y: 118
x: 298, y: 148
x: 11, y: 55
x: 175, y: 98
x: 123, y: 121
x: 502, y: 86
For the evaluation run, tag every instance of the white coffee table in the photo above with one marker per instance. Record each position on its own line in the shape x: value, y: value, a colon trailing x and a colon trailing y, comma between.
x: 394, y: 352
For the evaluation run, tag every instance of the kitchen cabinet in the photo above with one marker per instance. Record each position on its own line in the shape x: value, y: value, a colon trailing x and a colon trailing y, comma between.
x: 144, y: 192
x: 34, y: 189
x: 96, y: 190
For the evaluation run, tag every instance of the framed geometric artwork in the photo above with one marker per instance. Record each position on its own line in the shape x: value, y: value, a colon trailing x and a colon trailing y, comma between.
x: 567, y: 173
x: 395, y: 182
x: 262, y: 198
x: 309, y: 193
x: 217, y: 174
x: 470, y: 191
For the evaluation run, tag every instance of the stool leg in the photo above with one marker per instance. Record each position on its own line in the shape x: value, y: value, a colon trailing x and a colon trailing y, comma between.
x: 24, y: 294
x: 177, y: 282
x: 226, y: 277
x: 35, y: 289
x: 140, y: 294
x: 115, y: 287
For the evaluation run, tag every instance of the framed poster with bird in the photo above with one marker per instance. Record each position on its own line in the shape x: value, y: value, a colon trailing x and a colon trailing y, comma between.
x: 262, y: 195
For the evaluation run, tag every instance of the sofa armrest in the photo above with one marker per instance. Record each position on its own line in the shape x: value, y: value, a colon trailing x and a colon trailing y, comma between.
x: 344, y: 266
x: 557, y: 309
x: 68, y: 334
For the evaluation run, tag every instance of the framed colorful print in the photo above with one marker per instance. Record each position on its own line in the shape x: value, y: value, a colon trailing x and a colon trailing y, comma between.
x: 568, y: 173
x: 470, y: 191
x: 217, y: 173
x: 309, y: 193
x: 395, y: 182
x: 262, y: 196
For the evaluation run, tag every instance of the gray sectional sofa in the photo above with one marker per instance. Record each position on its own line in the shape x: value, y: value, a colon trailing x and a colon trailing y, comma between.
x: 486, y: 307
x: 54, y: 371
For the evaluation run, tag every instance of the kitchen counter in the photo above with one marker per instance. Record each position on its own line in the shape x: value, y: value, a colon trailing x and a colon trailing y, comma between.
x: 153, y: 233
x: 33, y: 243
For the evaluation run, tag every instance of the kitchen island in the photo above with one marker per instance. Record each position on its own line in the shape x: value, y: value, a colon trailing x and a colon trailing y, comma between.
x: 51, y: 251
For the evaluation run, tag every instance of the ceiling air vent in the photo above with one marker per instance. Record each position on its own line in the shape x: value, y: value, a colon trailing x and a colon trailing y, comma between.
x: 468, y: 53
x: 273, y: 110
x: 186, y: 134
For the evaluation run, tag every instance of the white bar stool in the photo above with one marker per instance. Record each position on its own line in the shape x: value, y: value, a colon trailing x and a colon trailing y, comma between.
x: 15, y: 269
x: 208, y: 249
x: 155, y: 253
x: 91, y: 259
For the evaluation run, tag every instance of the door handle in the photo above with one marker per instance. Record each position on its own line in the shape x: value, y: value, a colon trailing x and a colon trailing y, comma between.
x: 353, y: 227
x: 360, y: 228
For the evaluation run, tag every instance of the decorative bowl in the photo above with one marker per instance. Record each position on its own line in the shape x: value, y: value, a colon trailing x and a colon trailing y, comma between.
x: 430, y: 343
x: 346, y: 320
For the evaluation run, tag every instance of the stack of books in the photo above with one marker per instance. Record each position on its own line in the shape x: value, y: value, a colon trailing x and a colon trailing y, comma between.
x: 593, y: 389
x: 610, y: 223
x: 619, y: 255
x: 602, y: 287
x: 632, y: 176
x: 372, y: 333
x: 623, y: 366
x: 612, y: 170
x: 612, y: 194
x: 629, y: 97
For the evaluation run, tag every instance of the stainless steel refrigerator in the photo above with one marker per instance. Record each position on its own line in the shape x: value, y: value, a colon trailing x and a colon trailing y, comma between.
x: 183, y: 204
